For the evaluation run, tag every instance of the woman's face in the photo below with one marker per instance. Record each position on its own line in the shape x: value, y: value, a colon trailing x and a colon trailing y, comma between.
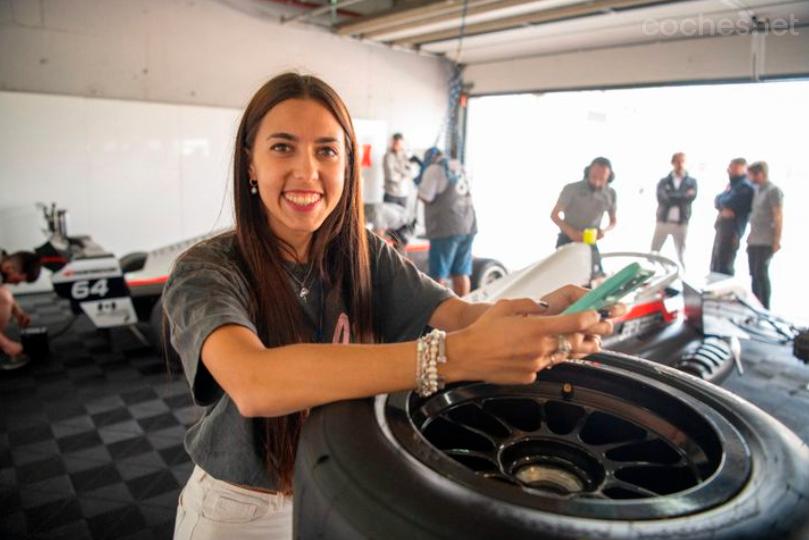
x: 299, y: 161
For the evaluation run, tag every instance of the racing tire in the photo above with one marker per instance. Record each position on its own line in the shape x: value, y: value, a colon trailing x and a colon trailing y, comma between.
x: 371, y: 469
x: 485, y: 271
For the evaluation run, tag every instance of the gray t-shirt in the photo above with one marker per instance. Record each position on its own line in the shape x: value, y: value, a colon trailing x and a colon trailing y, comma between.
x: 762, y: 220
x: 584, y: 207
x: 207, y: 289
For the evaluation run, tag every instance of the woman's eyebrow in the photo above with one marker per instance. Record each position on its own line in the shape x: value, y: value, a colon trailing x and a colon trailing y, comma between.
x: 282, y: 135
x: 293, y: 138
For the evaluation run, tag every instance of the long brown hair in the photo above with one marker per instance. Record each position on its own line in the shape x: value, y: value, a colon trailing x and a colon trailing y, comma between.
x: 338, y: 253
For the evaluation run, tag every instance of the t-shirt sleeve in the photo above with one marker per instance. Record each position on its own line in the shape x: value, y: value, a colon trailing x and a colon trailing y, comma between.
x: 428, y: 188
x: 199, y: 298
x: 776, y: 197
x: 404, y: 297
x: 613, y: 202
x: 565, y: 196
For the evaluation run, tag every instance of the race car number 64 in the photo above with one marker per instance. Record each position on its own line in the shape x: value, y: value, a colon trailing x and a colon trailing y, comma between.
x: 83, y: 289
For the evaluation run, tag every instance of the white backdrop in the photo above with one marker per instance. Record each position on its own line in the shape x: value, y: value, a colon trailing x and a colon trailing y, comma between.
x: 133, y: 175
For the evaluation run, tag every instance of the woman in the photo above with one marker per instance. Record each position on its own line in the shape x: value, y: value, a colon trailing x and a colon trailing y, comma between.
x: 300, y: 306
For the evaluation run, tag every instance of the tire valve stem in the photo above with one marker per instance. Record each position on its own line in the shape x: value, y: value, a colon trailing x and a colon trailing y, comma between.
x: 567, y: 391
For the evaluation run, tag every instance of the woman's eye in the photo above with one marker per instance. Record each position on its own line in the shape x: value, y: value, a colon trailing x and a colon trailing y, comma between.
x: 281, y: 147
x: 328, y: 151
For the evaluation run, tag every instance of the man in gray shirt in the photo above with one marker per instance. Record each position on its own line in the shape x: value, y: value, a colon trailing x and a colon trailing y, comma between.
x: 584, y: 203
x: 397, y: 172
x: 766, y: 220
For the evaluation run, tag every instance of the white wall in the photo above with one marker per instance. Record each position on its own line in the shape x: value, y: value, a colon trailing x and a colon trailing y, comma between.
x: 708, y: 59
x: 203, y: 52
x: 124, y: 111
x: 132, y: 175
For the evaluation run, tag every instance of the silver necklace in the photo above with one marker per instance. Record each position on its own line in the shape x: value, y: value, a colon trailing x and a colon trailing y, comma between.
x: 304, y: 290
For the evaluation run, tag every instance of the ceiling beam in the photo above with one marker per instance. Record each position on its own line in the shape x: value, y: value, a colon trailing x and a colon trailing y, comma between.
x: 594, y: 7
x: 319, y: 11
x: 453, y: 16
x: 422, y: 13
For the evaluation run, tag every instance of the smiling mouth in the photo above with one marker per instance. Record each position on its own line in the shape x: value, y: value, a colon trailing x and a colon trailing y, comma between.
x: 303, y: 200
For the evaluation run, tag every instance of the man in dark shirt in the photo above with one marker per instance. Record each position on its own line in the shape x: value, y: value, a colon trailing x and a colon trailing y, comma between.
x: 733, y: 206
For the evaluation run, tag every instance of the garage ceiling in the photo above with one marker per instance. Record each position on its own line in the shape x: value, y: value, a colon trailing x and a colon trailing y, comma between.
x: 480, y: 31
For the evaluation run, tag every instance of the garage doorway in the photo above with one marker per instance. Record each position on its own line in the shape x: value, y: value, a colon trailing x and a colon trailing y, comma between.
x: 521, y: 150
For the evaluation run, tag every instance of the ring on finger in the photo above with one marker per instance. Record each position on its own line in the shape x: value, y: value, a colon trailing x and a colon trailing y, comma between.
x: 563, y: 345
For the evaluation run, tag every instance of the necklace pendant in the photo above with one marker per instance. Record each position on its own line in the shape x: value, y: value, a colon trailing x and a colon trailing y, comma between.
x: 304, y: 293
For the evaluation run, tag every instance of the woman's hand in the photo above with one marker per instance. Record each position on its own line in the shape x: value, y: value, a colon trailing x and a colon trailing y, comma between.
x: 511, y: 342
x: 515, y: 339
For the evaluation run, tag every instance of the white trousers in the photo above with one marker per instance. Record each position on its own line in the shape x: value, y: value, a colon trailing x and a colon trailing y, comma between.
x: 210, y: 509
x: 678, y: 234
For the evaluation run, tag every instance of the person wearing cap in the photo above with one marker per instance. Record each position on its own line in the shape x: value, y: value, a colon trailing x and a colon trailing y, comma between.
x: 582, y: 205
x: 675, y: 194
x: 766, y: 221
x: 449, y: 219
x: 733, y: 211
x: 19, y: 267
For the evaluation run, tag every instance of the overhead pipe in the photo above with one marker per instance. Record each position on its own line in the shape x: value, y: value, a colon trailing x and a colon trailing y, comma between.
x: 551, y: 15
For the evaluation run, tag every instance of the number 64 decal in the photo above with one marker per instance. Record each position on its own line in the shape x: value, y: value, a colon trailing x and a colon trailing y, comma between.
x: 83, y: 289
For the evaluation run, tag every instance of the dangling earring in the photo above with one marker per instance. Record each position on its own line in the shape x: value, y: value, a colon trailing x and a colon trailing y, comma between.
x: 253, y: 186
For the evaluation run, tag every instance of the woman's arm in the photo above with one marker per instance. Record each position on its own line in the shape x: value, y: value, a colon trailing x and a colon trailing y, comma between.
x: 454, y: 314
x: 503, y: 346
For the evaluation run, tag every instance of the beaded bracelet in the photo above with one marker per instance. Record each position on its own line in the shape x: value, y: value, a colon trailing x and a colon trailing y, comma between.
x: 430, y: 351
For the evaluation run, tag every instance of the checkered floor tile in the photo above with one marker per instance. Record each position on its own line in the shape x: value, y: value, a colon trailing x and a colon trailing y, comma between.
x: 91, y: 438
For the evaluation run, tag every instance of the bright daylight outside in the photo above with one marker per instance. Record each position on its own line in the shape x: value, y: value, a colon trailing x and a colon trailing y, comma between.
x: 523, y: 148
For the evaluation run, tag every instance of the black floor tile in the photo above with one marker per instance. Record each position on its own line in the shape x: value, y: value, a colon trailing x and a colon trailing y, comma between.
x: 152, y: 485
x: 38, y: 516
x: 40, y: 470
x: 65, y: 410
x: 138, y: 396
x: 81, y: 441
x: 129, y: 447
x: 174, y: 455
x: 33, y: 434
x: 95, y: 478
x: 117, y: 523
x: 113, y: 416
x: 156, y: 423
x: 46, y: 491
x: 69, y: 513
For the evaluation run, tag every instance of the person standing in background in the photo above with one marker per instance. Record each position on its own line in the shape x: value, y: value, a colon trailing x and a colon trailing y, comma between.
x: 675, y: 193
x: 397, y: 172
x: 766, y: 222
x: 584, y: 204
x: 449, y: 218
x: 733, y: 206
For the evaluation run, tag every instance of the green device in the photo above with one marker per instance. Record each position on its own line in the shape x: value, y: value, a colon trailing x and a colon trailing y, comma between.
x: 612, y: 290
